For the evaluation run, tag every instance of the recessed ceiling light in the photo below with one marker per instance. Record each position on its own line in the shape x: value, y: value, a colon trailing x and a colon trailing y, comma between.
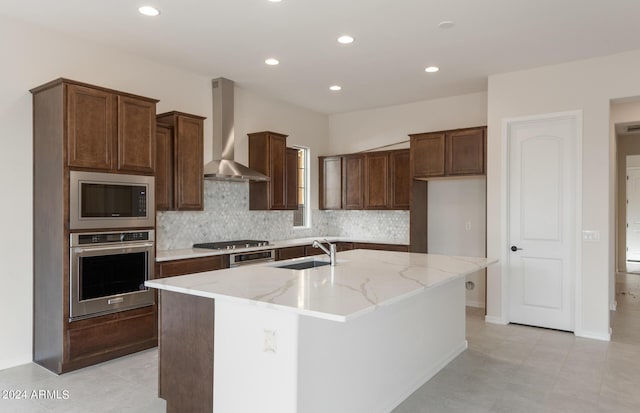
x: 272, y: 62
x: 446, y: 24
x: 335, y: 88
x: 149, y: 11
x: 431, y: 69
x: 345, y: 39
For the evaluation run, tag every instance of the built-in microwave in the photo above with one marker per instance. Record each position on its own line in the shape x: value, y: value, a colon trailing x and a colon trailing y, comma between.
x: 104, y: 200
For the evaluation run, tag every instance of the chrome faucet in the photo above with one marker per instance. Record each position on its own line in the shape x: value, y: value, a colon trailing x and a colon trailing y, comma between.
x: 331, y: 252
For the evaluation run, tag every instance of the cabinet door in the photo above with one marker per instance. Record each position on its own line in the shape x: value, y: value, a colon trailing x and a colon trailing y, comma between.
x: 136, y: 135
x: 465, y: 152
x: 278, y: 172
x: 310, y: 251
x: 330, y: 172
x: 164, y: 168
x: 400, y: 177
x: 353, y: 182
x: 191, y: 265
x: 427, y: 154
x: 188, y: 163
x: 291, y: 178
x: 290, y: 252
x: 376, y: 180
x: 90, y: 128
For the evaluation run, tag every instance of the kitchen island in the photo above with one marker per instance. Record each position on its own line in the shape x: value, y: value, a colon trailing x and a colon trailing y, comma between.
x: 360, y: 336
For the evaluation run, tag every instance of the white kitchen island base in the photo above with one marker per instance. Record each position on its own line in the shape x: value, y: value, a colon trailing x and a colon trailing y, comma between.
x: 358, y: 337
x: 369, y: 364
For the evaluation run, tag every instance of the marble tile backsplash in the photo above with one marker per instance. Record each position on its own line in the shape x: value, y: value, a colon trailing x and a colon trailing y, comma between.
x: 226, y: 216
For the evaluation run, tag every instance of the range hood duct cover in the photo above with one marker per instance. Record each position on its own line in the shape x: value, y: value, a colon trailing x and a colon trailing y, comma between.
x: 226, y: 168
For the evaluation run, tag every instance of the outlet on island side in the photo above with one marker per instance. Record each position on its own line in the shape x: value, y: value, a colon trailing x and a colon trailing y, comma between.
x: 270, y: 345
x: 467, y: 226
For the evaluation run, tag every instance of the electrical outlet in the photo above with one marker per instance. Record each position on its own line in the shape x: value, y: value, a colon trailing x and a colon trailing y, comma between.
x: 591, y: 236
x: 467, y: 226
x: 270, y: 345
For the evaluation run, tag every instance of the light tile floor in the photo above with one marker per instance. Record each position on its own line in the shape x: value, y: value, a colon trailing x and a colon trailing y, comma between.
x: 523, y: 369
x: 506, y: 369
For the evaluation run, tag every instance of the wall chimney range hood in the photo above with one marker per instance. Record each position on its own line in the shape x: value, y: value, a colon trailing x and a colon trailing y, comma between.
x: 226, y: 168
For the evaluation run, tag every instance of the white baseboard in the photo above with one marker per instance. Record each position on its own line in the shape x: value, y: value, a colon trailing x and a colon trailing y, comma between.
x: 14, y: 362
x: 613, y: 306
x: 475, y: 304
x: 593, y: 335
x: 495, y: 320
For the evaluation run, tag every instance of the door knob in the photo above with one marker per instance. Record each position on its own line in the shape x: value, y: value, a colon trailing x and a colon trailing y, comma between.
x: 514, y: 248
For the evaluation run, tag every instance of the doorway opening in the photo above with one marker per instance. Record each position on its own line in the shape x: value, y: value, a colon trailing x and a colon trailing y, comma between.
x: 624, y: 285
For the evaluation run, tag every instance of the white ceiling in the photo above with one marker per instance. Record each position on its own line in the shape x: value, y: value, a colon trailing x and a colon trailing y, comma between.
x: 395, y: 41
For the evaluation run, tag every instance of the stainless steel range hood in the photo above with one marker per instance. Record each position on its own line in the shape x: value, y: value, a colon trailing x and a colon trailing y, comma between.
x: 226, y: 168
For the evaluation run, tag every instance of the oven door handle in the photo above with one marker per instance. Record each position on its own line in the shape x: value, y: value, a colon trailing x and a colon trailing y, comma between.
x: 115, y: 247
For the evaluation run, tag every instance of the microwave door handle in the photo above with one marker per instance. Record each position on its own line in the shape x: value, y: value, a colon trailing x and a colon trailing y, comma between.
x: 115, y: 247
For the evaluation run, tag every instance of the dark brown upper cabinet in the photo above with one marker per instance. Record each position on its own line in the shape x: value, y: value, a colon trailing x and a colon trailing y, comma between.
x: 330, y: 185
x: 466, y: 152
x: 184, y: 183
x: 268, y: 154
x: 109, y: 130
x: 373, y: 180
x: 353, y: 181
x: 376, y: 180
x: 427, y: 154
x: 400, y: 179
x: 448, y: 153
x: 136, y: 135
x: 164, y: 167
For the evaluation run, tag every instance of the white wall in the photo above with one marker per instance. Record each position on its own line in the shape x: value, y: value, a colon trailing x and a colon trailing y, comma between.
x: 31, y: 56
x: 586, y: 85
x: 362, y: 130
x: 451, y: 203
x: 456, y: 225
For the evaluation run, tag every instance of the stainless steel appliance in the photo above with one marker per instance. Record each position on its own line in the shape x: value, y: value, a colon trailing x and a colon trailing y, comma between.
x: 253, y: 257
x: 242, y: 258
x: 103, y: 200
x: 108, y: 270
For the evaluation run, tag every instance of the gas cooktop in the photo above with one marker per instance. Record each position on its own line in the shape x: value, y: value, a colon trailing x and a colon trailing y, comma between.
x: 231, y: 245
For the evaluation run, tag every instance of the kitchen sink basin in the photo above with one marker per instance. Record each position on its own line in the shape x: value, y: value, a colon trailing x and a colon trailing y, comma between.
x: 305, y: 265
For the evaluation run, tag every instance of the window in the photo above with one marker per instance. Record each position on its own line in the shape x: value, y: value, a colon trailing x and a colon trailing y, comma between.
x: 300, y: 216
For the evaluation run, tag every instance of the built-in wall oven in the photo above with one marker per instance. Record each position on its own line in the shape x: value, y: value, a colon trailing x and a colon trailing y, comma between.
x: 105, y: 200
x: 108, y: 271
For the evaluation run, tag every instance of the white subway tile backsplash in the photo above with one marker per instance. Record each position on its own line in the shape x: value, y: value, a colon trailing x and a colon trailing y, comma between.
x: 226, y: 216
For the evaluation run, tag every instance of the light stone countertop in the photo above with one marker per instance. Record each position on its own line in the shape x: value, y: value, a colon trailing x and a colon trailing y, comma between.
x: 361, y: 281
x: 181, y: 254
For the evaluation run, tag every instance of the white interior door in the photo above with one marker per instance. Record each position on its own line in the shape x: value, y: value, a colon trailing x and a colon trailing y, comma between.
x: 541, y: 263
x: 633, y: 214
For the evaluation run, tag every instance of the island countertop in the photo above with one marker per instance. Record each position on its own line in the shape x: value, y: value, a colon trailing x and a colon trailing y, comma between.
x: 360, y: 282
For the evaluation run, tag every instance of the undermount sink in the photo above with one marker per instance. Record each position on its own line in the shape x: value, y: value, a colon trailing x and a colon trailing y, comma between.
x: 305, y: 265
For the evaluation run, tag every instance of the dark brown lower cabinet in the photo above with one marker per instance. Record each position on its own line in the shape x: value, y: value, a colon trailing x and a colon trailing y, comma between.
x: 186, y: 352
x: 309, y: 251
x: 288, y: 253
x: 191, y: 265
x: 382, y: 247
x: 99, y: 339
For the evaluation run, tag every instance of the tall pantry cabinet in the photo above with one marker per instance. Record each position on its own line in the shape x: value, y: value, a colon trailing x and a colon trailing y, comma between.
x: 77, y: 126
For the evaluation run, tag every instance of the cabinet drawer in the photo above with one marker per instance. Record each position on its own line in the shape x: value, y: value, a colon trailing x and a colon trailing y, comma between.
x: 126, y: 329
x: 309, y: 251
x: 383, y: 247
x: 188, y: 266
x: 290, y: 252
